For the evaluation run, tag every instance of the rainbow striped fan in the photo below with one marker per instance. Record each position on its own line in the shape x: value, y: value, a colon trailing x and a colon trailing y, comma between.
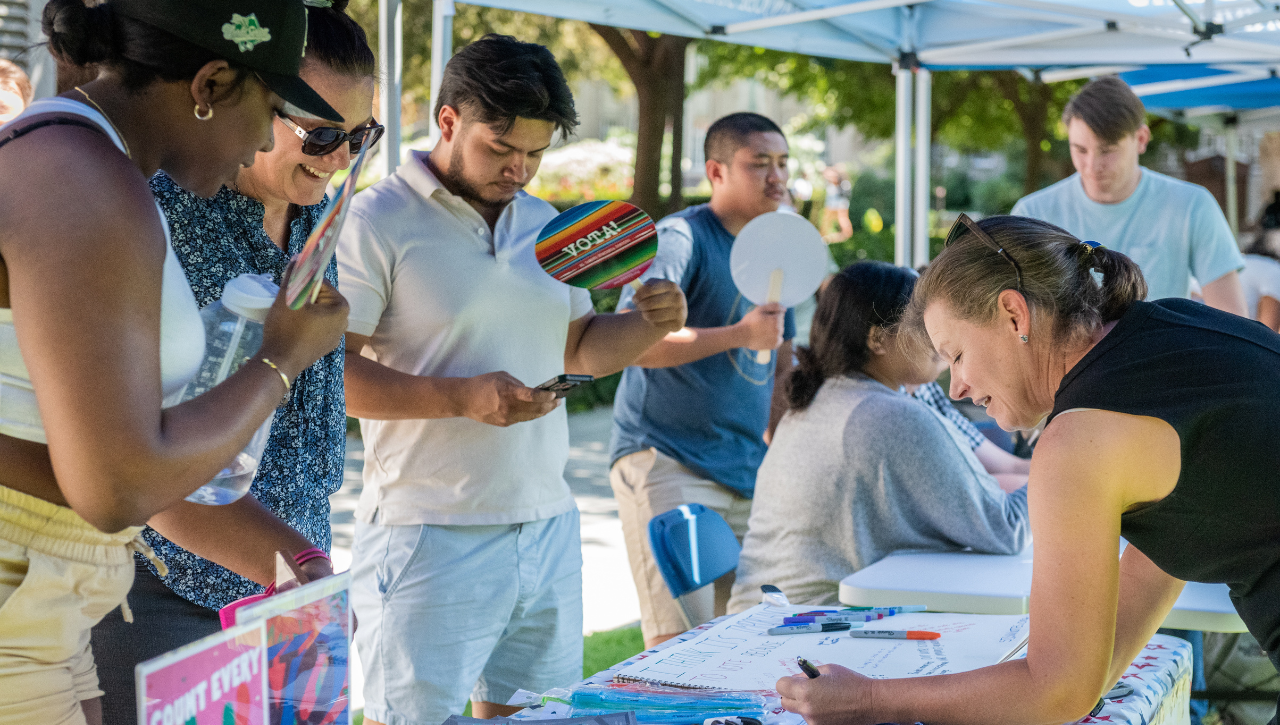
x: 598, y: 245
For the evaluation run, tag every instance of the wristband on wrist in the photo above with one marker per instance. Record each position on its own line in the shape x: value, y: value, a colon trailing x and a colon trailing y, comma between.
x: 303, y: 557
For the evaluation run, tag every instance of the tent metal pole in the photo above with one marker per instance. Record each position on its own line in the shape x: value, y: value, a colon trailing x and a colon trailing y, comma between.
x: 391, y: 58
x: 1229, y: 170
x: 441, y: 51
x: 924, y: 151
x: 902, y: 171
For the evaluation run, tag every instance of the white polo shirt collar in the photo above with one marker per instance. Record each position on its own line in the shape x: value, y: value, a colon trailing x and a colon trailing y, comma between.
x: 420, y: 177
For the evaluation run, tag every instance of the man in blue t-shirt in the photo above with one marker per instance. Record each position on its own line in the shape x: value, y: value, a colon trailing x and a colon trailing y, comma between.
x: 690, y: 418
x: 1173, y: 229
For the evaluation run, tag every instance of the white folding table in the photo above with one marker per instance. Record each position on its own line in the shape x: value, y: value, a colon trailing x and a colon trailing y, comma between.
x: 992, y: 584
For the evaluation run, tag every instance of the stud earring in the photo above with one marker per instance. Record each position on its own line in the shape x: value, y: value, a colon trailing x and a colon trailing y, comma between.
x: 1023, y: 338
x: 205, y: 117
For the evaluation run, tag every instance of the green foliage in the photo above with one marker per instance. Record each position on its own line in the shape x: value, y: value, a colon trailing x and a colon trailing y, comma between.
x: 581, y: 53
x: 863, y: 245
x: 595, y: 394
x: 825, y: 83
x: 1166, y: 134
x: 870, y: 191
x: 603, y: 650
x: 997, y: 196
x: 970, y: 109
x: 587, y: 170
x: 959, y: 189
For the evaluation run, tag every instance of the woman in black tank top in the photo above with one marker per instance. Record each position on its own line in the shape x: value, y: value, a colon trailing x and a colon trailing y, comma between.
x: 1160, y: 420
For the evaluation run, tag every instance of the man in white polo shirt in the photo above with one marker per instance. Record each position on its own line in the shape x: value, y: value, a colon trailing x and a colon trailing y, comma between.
x: 467, y: 559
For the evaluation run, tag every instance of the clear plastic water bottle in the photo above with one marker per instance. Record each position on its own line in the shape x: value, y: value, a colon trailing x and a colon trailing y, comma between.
x: 233, y: 335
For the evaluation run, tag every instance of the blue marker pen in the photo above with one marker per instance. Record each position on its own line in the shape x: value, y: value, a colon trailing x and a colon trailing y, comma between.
x: 807, y: 628
x: 843, y: 617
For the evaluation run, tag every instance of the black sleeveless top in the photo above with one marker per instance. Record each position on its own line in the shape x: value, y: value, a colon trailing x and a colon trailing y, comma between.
x: 1215, y: 378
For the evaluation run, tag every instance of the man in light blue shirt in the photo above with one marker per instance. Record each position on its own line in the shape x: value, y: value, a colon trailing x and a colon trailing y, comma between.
x: 1173, y: 229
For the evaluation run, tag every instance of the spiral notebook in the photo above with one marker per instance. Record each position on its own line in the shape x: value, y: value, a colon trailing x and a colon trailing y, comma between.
x: 738, y: 654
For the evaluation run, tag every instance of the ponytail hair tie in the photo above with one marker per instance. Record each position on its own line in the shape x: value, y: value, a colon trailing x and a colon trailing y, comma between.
x: 1091, y: 245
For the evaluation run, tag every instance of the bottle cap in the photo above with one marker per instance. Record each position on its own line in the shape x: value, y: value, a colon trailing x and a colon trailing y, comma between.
x: 250, y: 296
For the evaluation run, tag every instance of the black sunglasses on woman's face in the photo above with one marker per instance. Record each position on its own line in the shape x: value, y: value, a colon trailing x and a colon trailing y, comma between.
x: 965, y: 224
x: 326, y: 139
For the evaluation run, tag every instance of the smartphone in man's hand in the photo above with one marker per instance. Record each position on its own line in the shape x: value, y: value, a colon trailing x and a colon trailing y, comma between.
x: 562, y: 384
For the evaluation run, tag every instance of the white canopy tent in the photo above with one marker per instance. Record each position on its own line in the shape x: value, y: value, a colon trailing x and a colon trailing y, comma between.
x: 915, y: 36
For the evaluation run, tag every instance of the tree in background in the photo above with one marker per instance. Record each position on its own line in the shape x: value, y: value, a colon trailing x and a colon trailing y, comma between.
x: 655, y: 63
x: 582, y: 54
x: 650, y: 65
x: 972, y: 110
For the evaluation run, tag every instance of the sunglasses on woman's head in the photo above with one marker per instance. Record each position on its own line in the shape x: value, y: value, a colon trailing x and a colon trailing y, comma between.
x: 965, y: 224
x: 326, y: 139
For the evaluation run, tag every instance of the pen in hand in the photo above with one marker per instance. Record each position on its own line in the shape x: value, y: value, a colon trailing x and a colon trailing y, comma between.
x: 807, y: 667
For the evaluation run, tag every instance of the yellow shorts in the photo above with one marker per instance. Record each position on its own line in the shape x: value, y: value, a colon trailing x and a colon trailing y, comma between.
x: 58, y: 577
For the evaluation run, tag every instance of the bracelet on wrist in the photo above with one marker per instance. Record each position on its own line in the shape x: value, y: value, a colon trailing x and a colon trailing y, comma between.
x: 303, y: 557
x: 288, y: 386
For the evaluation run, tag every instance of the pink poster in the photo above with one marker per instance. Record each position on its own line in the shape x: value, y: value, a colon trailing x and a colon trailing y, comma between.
x: 218, y: 680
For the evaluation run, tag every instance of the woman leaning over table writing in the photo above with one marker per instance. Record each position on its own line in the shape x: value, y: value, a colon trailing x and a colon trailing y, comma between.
x: 1160, y: 418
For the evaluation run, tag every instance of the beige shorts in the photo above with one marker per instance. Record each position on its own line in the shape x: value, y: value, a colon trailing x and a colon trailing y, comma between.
x: 58, y: 577
x: 647, y: 483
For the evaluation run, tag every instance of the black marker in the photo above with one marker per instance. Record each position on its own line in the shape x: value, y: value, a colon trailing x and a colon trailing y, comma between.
x: 807, y: 667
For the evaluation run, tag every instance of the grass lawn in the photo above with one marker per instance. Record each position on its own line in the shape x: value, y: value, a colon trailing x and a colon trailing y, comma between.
x: 600, y: 651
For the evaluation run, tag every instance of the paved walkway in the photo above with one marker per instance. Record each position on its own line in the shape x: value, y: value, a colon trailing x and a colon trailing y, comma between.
x: 608, y: 593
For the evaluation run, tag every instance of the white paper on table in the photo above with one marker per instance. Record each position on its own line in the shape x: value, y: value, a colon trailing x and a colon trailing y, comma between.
x: 738, y: 654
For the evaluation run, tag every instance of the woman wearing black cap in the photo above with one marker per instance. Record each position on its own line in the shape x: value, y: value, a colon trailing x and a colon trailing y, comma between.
x: 99, y: 323
x: 216, y: 555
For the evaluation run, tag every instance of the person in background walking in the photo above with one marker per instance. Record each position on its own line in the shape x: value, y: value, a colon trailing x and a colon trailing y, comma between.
x: 835, y: 205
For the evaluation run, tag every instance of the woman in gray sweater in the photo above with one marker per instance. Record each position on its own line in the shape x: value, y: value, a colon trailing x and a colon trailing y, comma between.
x: 858, y: 470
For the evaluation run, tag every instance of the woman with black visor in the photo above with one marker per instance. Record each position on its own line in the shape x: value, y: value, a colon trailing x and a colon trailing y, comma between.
x: 217, y: 554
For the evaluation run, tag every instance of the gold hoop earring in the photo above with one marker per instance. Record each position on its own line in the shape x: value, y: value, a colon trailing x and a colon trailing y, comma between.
x: 205, y: 117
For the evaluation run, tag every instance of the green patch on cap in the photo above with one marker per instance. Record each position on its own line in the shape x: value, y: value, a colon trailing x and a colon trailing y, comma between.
x: 245, y: 32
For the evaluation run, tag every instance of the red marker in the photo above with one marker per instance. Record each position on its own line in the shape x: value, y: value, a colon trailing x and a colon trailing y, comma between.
x: 894, y: 634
